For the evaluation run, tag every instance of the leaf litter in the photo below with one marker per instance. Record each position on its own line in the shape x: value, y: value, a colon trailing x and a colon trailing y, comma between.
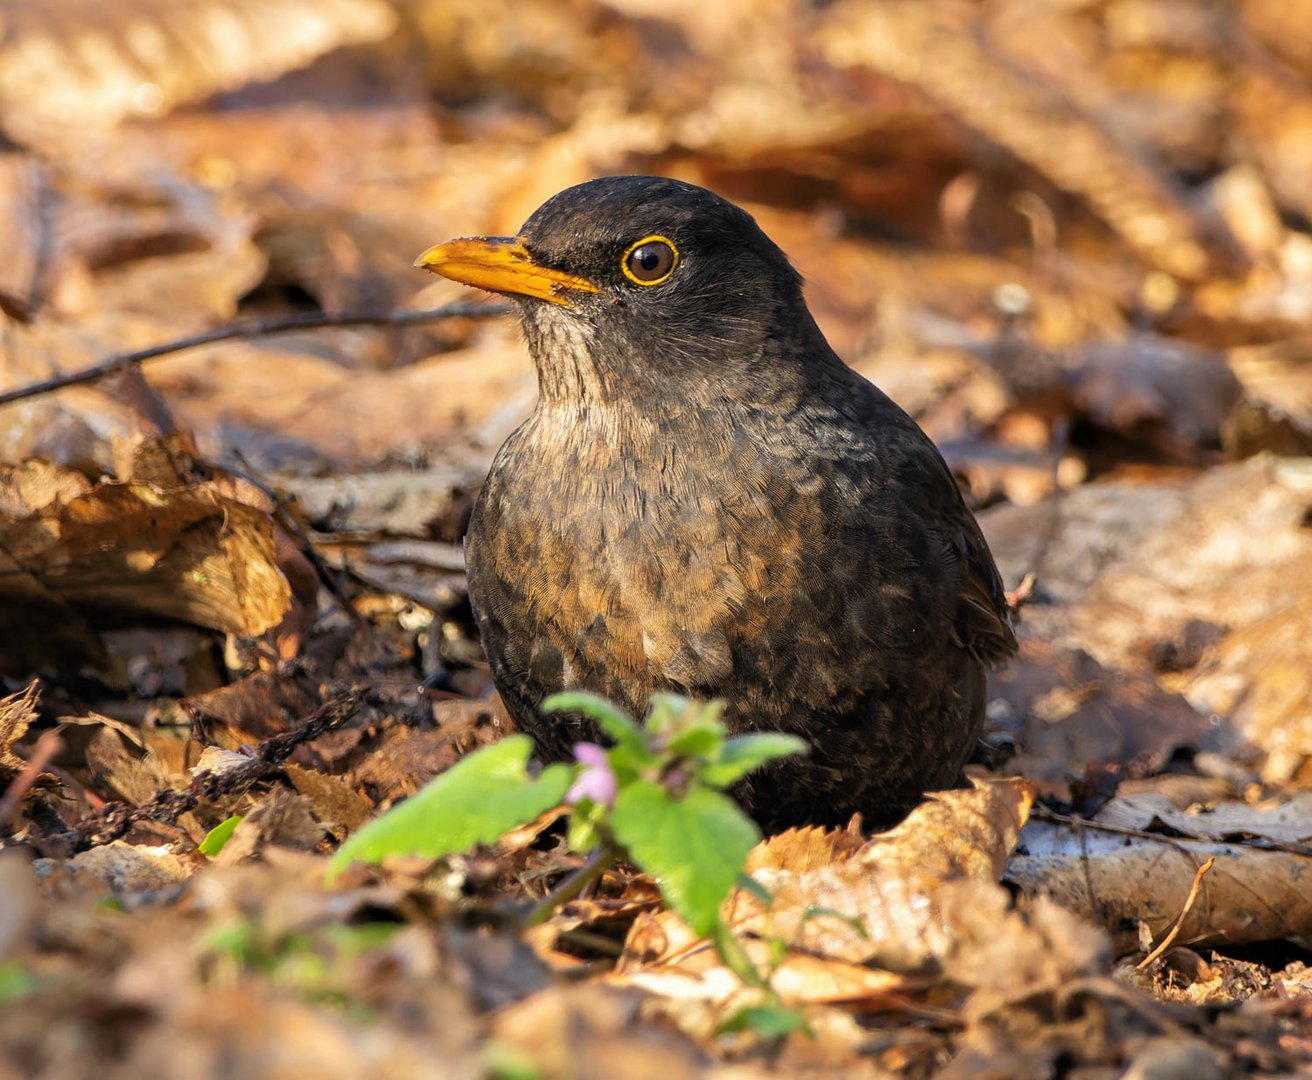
x: 1074, y: 245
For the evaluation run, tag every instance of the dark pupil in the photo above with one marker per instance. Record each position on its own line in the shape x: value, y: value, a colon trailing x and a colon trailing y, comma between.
x: 650, y: 261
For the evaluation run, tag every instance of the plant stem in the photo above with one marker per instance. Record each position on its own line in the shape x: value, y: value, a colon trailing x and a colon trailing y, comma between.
x: 601, y: 860
x: 736, y: 960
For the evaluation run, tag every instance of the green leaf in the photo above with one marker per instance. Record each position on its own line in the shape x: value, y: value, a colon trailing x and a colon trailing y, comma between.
x: 482, y: 796
x: 669, y: 714
x: 218, y: 836
x: 694, y: 847
x: 582, y: 832
x: 744, y: 753
x: 506, y: 1061
x: 610, y: 718
x: 701, y: 741
x: 16, y: 982
x: 767, y: 1021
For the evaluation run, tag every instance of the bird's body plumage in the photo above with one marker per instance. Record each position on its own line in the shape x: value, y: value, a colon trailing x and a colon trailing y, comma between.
x: 706, y: 500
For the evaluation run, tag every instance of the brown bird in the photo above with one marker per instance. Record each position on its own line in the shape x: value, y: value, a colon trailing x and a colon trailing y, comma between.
x: 708, y: 501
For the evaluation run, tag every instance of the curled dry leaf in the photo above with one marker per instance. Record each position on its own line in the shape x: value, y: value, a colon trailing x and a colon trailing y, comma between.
x: 854, y: 904
x: 1118, y: 881
x: 691, y: 971
x: 1068, y: 713
x: 150, y: 55
x: 1038, y: 123
x: 1111, y: 558
x: 17, y: 711
x: 1284, y: 823
x: 126, y: 550
x: 889, y: 886
x: 127, y: 871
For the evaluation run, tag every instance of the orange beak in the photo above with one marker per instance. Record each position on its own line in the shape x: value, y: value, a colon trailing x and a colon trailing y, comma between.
x: 501, y: 264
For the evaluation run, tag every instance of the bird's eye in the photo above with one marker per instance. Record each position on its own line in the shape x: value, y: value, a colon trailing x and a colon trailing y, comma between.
x: 650, y: 261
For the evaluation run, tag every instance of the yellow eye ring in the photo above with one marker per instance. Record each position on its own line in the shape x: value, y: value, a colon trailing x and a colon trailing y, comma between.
x: 650, y: 261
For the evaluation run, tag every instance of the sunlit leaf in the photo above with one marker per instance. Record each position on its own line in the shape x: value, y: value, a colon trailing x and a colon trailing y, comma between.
x: 694, y: 847
x: 744, y: 753
x: 482, y: 796
x: 218, y: 836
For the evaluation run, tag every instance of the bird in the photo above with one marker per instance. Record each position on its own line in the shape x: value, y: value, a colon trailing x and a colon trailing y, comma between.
x: 707, y: 501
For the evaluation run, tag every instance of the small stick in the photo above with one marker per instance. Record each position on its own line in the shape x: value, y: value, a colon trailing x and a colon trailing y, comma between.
x: 251, y: 328
x: 1179, y: 922
x: 46, y: 748
x: 166, y: 806
x: 1255, y: 843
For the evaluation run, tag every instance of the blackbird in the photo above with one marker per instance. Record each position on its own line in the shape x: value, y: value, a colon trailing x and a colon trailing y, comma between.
x: 706, y: 500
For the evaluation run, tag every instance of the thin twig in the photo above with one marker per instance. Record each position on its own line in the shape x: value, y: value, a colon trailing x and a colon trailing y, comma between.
x: 1253, y: 843
x: 251, y: 328
x: 46, y: 748
x: 1165, y: 943
x: 167, y: 806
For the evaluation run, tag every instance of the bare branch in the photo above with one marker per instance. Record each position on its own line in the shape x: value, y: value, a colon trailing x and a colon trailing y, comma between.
x: 253, y: 328
x: 114, y: 821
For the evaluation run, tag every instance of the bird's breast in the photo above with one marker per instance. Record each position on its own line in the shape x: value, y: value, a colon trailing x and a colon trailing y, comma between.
x: 643, y: 551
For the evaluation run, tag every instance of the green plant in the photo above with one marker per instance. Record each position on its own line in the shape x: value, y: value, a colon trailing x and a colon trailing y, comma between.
x: 655, y: 797
x: 217, y: 838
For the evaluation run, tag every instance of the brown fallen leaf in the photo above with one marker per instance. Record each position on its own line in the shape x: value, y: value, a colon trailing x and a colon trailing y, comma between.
x: 280, y: 818
x: 336, y: 805
x: 131, y: 872
x: 1260, y: 678
x: 120, y: 765
x: 1037, y: 122
x: 873, y: 903
x: 17, y: 711
x: 19, y: 900
x: 1131, y: 569
x: 154, y: 56
x: 126, y: 549
x: 1147, y: 380
x: 694, y: 972
x: 562, y: 1029
x: 1068, y: 715
x: 1283, y: 822
x: 253, y: 708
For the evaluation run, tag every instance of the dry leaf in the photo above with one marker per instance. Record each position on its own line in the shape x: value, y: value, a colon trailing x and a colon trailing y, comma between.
x: 336, y: 805
x: 17, y: 711
x: 1036, y: 122
x: 1285, y: 823
x: 280, y: 818
x: 71, y: 65
x: 132, y: 871
x: 1068, y: 714
x: 127, y: 549
x: 19, y: 901
x: 875, y: 903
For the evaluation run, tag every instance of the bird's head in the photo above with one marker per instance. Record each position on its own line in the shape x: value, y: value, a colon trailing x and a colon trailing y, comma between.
x: 629, y: 282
